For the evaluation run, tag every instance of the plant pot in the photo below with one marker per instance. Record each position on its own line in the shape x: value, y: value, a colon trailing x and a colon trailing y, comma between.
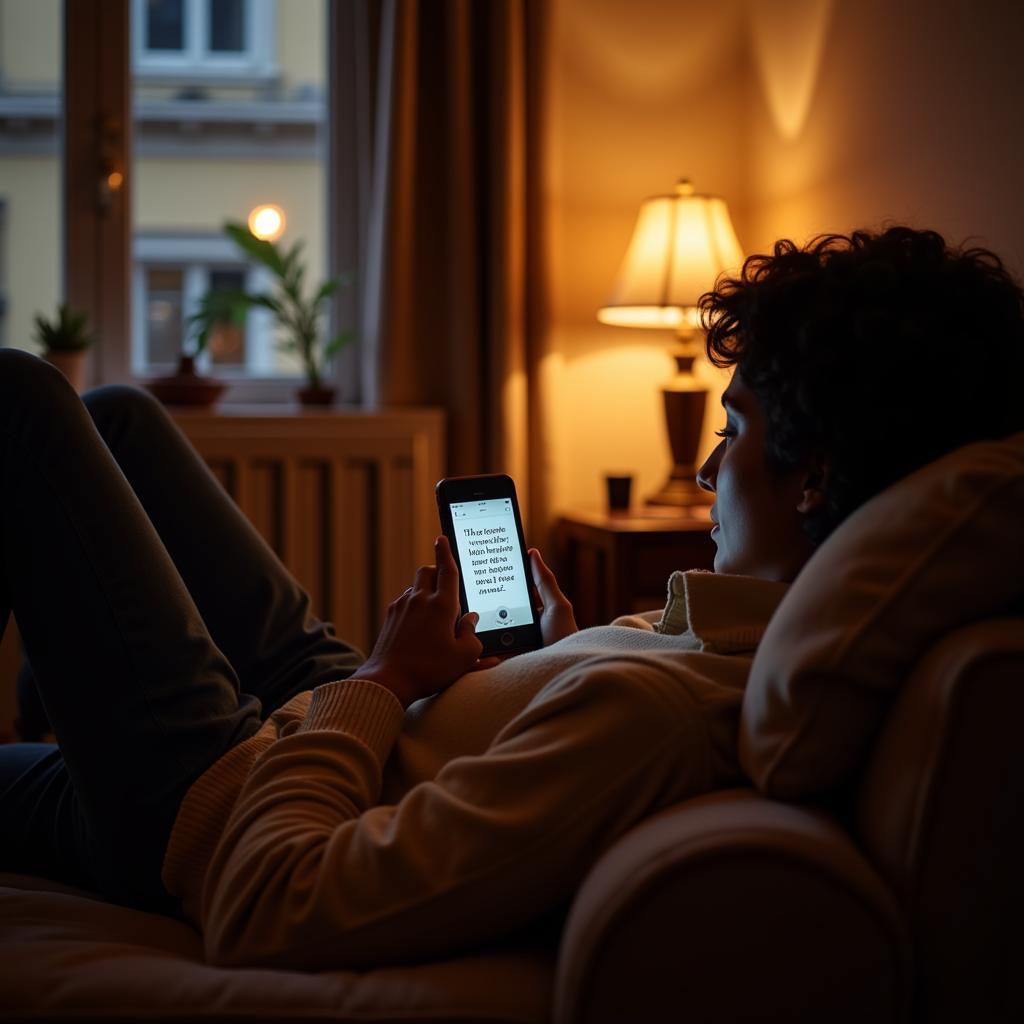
x: 186, y: 387
x: 71, y: 363
x: 316, y: 396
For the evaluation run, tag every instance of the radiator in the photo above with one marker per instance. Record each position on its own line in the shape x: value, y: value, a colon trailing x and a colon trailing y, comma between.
x: 345, y: 499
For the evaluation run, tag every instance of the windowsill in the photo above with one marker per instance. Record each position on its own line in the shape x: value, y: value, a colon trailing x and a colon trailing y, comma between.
x: 201, y: 75
x: 270, y: 393
x: 268, y: 410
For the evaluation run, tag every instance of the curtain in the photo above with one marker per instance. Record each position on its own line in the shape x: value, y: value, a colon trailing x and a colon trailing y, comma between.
x: 452, y: 285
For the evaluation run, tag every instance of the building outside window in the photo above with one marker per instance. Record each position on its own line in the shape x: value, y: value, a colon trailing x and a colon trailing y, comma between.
x: 229, y: 112
x: 186, y: 38
x: 172, y: 273
x: 3, y: 273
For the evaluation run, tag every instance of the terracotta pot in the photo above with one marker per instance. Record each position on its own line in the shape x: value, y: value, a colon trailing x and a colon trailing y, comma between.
x: 186, y: 387
x: 71, y: 364
x: 316, y: 396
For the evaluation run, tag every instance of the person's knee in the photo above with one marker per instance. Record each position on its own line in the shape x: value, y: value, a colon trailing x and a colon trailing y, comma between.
x: 24, y: 377
x: 111, y: 402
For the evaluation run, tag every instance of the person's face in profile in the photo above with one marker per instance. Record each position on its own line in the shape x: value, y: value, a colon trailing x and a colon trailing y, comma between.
x: 757, y: 511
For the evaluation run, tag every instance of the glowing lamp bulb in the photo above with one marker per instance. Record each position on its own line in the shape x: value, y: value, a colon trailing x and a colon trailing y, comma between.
x: 267, y: 222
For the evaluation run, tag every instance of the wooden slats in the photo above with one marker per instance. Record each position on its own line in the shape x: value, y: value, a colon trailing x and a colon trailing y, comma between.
x: 345, y: 499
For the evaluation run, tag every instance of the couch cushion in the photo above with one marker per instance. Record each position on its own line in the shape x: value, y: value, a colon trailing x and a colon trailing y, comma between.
x: 67, y: 955
x: 940, y: 548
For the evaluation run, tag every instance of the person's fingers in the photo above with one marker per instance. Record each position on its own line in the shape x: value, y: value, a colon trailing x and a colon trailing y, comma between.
x: 465, y: 632
x: 483, y: 663
x: 545, y: 578
x: 426, y: 578
x: 447, y: 570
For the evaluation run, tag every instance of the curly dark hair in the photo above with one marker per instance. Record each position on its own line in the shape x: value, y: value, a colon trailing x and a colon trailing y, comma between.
x: 878, y: 352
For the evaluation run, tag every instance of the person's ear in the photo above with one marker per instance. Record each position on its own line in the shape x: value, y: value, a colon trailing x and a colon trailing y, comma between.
x: 812, y: 493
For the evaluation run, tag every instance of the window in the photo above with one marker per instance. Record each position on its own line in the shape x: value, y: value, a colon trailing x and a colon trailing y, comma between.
x: 212, y: 39
x: 31, y: 161
x: 131, y: 196
x: 172, y: 273
x: 3, y: 273
x: 208, y: 151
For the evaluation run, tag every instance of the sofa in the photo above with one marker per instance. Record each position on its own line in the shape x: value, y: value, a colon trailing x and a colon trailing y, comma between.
x: 868, y: 873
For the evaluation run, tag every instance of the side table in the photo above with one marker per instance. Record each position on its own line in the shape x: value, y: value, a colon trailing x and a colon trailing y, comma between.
x: 612, y: 564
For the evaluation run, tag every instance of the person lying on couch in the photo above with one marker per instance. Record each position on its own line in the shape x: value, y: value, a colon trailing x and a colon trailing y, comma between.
x: 221, y: 754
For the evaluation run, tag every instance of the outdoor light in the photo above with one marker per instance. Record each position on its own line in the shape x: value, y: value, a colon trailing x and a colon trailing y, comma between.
x: 267, y: 222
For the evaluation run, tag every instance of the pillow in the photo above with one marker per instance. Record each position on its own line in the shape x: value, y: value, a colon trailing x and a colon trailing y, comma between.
x: 938, y: 549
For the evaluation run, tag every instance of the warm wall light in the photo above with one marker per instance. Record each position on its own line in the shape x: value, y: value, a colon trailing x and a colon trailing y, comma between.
x: 267, y: 222
x: 680, y: 244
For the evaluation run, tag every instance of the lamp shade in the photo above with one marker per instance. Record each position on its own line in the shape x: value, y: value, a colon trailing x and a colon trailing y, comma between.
x: 680, y: 244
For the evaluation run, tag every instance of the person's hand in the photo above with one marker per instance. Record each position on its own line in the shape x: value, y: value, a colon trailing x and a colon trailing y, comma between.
x: 424, y: 644
x: 556, y: 619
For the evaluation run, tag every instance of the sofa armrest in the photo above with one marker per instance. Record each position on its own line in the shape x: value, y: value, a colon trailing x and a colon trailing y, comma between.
x: 941, y: 817
x: 733, y: 907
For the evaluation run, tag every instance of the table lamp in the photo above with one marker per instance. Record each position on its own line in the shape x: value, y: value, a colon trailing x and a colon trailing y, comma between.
x: 680, y: 244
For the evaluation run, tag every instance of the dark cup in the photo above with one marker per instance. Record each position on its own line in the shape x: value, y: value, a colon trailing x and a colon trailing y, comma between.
x: 619, y: 486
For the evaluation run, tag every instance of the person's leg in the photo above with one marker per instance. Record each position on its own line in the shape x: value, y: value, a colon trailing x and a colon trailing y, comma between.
x: 255, y: 610
x: 42, y: 827
x: 141, y: 700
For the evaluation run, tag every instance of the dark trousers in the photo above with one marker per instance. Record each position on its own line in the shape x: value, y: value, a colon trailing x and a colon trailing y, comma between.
x: 160, y: 628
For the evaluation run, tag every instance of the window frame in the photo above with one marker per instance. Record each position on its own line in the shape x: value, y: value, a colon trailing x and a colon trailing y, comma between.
x: 196, y: 255
x: 98, y: 270
x: 257, y: 62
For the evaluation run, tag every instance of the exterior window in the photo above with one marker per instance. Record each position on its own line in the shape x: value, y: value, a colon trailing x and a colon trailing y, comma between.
x: 211, y: 39
x: 227, y: 26
x: 165, y: 294
x: 3, y: 273
x: 228, y: 343
x: 229, y: 111
x: 172, y: 273
x: 165, y: 25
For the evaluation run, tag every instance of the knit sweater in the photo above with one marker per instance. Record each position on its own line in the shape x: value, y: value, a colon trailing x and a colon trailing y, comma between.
x: 351, y: 833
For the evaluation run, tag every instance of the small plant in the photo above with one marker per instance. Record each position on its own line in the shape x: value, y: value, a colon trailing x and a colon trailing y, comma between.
x: 66, y: 333
x: 218, y: 308
x: 298, y: 315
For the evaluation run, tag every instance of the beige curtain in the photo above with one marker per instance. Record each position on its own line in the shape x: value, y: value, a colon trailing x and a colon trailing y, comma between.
x: 452, y: 300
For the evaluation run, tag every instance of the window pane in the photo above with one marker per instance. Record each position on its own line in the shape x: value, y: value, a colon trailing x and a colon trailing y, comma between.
x: 214, y: 141
x: 227, y: 342
x: 31, y: 106
x: 165, y: 25
x: 164, y: 319
x: 227, y: 25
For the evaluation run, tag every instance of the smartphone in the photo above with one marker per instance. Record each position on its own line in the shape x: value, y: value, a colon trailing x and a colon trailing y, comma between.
x: 480, y: 517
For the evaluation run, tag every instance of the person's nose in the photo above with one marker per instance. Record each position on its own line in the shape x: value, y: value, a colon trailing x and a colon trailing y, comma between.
x: 707, y: 475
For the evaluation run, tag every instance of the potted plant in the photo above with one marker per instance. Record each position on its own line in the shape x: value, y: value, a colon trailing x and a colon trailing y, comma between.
x: 186, y: 387
x: 299, y: 316
x: 65, y: 341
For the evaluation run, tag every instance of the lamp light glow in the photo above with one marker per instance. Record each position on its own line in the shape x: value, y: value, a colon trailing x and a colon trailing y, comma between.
x: 267, y: 222
x: 680, y: 244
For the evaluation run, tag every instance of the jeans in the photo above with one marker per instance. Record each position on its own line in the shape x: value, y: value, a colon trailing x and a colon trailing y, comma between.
x: 161, y: 629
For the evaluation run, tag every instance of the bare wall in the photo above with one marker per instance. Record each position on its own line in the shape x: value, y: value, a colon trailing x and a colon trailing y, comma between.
x: 806, y: 115
x: 914, y: 116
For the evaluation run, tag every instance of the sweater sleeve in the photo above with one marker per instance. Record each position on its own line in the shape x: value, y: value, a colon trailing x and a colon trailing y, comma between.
x: 311, y: 874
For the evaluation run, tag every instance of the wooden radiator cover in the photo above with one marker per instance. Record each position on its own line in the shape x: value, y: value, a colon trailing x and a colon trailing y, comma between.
x: 346, y: 499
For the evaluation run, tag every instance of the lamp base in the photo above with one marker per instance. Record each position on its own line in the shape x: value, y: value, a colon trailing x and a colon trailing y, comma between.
x: 681, y: 489
x: 684, y: 397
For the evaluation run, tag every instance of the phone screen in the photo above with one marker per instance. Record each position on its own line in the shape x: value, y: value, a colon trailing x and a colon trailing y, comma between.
x: 492, y: 562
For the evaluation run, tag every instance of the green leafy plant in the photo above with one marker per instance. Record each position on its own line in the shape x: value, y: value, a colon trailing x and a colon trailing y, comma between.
x: 298, y: 315
x: 217, y: 308
x: 65, y: 333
